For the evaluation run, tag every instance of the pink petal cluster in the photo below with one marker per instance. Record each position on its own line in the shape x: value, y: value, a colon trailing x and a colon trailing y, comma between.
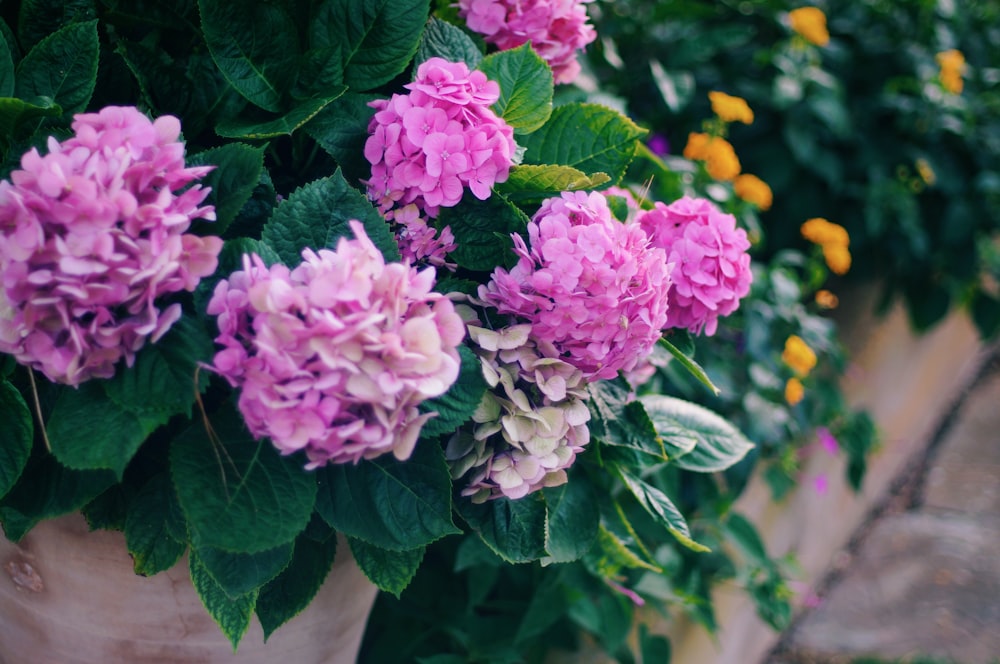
x: 592, y: 288
x: 91, y: 235
x: 557, y: 29
x: 427, y: 146
x: 711, y: 266
x: 419, y: 242
x: 334, y: 356
x: 529, y: 426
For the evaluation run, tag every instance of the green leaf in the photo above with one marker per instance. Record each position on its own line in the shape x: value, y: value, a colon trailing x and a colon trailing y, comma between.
x: 395, y: 505
x: 40, y: 18
x: 572, y: 520
x: 237, y: 171
x: 281, y: 126
x: 62, y: 67
x: 513, y: 529
x: 238, y: 494
x: 255, y: 44
x: 444, y: 40
x: 662, y: 509
x: 653, y: 647
x: 342, y: 130
x: 719, y: 444
x: 316, y: 215
x: 89, y: 431
x: 391, y: 571
x: 612, y: 554
x: 161, y: 383
x: 482, y: 231
x: 48, y: 489
x: 15, y: 114
x: 147, y: 534
x: 16, y: 435
x: 232, y: 615
x: 692, y: 367
x: 617, y: 419
x: 588, y: 137
x: 376, y: 38
x: 535, y: 182
x: 456, y: 406
x: 240, y: 573
x: 526, y: 87
x: 6, y: 67
x: 292, y: 590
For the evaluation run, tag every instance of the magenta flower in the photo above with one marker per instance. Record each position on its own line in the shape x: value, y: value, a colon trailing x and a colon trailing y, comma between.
x: 590, y: 287
x: 428, y: 146
x: 334, y: 356
x: 91, y: 235
x: 711, y: 267
x: 557, y: 29
x: 418, y: 242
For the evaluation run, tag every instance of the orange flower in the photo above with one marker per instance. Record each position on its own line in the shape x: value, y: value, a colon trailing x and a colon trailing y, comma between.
x: 798, y: 355
x: 826, y: 300
x: 718, y: 154
x: 697, y: 146
x: 952, y: 64
x: 730, y: 108
x: 794, y: 391
x: 823, y: 232
x: 837, y: 257
x: 810, y: 22
x: 753, y: 190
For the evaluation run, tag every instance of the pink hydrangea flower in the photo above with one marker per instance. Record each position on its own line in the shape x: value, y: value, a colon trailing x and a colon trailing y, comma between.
x: 91, y: 235
x: 557, y: 29
x: 428, y: 146
x: 419, y: 242
x: 711, y: 266
x: 591, y: 287
x: 333, y: 357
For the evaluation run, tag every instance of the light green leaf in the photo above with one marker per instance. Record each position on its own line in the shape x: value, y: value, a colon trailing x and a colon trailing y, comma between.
x: 526, y: 87
x: 662, y: 509
x: 456, y: 406
x: 513, y: 529
x: 281, y: 126
x: 147, y: 530
x: 62, y: 67
x: 395, y: 505
x: 232, y: 181
x: 571, y: 520
x: 16, y: 435
x: 444, y: 40
x: 482, y: 231
x: 240, y: 573
x: 316, y: 216
x: 238, y: 494
x: 692, y: 367
x: 538, y: 181
x: 232, y: 615
x: 718, y: 445
x: 588, y: 137
x: 391, y: 571
x: 612, y: 554
x: 15, y: 114
x: 376, y: 38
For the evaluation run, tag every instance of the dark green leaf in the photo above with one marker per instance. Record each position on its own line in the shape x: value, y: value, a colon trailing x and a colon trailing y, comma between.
x: 456, y: 406
x: 292, y: 590
x: 39, y: 18
x: 391, y: 571
x: 617, y: 419
x: 535, y: 182
x: 316, y: 216
x: 147, y: 534
x: 255, y: 45
x: 281, y: 126
x: 662, y: 509
x: 513, y: 529
x: 719, y: 444
x: 240, y: 573
x: 653, y: 647
x: 6, y: 67
x: 232, y: 615
x: 526, y: 87
x: 548, y: 604
x: 342, y: 130
x: 89, y: 431
x: 572, y: 520
x: 238, y: 494
x: 482, y: 231
x: 395, y: 505
x: 108, y: 510
x: 16, y: 434
x: 444, y: 40
x: 588, y: 137
x: 16, y: 114
x: 745, y: 535
x: 62, y: 67
x: 376, y: 38
x: 237, y: 172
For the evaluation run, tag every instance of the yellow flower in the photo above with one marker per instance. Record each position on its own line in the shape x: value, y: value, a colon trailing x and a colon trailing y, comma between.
x: 718, y: 154
x: 823, y: 232
x: 798, y: 355
x: 753, y: 190
x: 925, y: 171
x: 952, y: 63
x: 794, y: 391
x: 730, y: 108
x: 826, y: 300
x: 837, y: 257
x: 810, y: 22
x: 697, y: 146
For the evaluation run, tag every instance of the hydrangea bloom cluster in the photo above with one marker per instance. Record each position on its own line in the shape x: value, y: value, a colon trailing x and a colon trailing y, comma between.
x: 711, y: 267
x: 91, y: 235
x: 419, y: 242
x: 334, y: 356
x: 427, y: 146
x: 557, y: 29
x: 591, y: 287
x: 529, y: 427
